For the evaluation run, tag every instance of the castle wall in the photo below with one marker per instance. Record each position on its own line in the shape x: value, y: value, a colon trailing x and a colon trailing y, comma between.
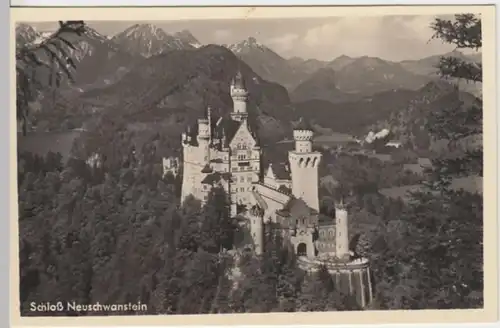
x: 352, y: 277
x: 326, y: 240
x: 274, y: 199
x: 304, y: 241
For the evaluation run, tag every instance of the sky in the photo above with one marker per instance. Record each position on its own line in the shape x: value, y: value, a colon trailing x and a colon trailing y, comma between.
x: 388, y: 37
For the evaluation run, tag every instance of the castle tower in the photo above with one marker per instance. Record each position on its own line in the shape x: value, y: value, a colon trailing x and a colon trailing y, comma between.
x: 304, y: 164
x: 240, y: 96
x: 204, y: 138
x: 341, y: 232
x: 257, y: 228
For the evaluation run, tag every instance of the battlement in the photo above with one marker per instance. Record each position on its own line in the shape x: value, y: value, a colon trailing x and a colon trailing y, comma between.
x: 303, y: 135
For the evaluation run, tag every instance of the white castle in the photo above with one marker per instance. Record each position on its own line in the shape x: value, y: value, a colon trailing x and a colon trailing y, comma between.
x: 226, y: 153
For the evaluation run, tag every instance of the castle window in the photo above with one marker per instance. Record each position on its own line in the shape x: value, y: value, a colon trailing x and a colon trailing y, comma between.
x: 242, y: 179
x: 242, y: 189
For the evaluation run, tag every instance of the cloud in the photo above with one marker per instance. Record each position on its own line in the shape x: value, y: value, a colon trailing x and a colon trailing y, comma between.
x: 389, y: 37
x: 222, y: 36
x: 283, y: 44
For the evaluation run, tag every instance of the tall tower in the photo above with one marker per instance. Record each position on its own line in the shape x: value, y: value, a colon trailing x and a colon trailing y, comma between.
x: 341, y: 232
x: 304, y: 164
x: 204, y: 138
x: 240, y: 96
x: 257, y: 228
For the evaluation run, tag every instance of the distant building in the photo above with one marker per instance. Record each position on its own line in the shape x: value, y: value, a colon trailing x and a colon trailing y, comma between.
x: 226, y: 153
x: 393, y: 143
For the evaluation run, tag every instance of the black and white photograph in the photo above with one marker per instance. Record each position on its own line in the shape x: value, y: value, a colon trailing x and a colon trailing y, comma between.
x: 261, y: 165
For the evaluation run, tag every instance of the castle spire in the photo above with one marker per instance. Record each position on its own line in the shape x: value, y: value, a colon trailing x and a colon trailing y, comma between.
x: 209, y: 118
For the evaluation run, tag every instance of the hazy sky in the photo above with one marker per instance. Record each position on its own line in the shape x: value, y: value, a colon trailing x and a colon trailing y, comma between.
x: 388, y: 37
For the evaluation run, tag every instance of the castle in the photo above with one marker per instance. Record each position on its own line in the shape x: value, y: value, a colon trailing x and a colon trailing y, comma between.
x: 226, y: 152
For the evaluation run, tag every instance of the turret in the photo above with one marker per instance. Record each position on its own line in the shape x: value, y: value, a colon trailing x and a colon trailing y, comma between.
x: 303, y: 136
x: 239, y: 94
x: 257, y: 228
x: 304, y: 164
x: 341, y: 232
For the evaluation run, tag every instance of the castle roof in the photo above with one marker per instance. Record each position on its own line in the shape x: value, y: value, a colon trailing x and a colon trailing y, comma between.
x: 285, y: 189
x: 206, y: 169
x: 216, y: 177
x: 227, y: 127
x: 303, y: 125
x: 280, y: 170
x: 296, y: 207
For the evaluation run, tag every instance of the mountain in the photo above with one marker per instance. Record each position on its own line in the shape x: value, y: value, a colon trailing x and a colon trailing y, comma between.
x: 340, y: 62
x: 428, y: 67
x: 369, y: 75
x: 95, y: 56
x: 176, y: 87
x: 321, y: 85
x: 409, y: 124
x: 307, y: 66
x: 347, y: 78
x: 25, y: 34
x: 266, y: 63
x: 353, y: 117
x: 186, y: 37
x: 148, y: 40
x: 405, y: 113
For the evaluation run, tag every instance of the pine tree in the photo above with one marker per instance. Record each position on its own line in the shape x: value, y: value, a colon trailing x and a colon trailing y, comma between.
x: 458, y: 124
x: 52, y: 54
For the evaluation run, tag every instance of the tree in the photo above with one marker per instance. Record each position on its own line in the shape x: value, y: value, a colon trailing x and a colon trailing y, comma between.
x: 53, y: 55
x: 433, y: 251
x: 458, y: 123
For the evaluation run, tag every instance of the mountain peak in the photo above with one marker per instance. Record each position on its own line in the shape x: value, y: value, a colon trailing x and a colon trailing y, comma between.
x: 144, y: 30
x: 187, y: 37
x: 26, y: 34
x: 149, y: 40
x: 247, y: 45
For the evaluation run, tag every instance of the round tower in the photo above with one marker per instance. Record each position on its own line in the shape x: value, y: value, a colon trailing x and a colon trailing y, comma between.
x: 341, y: 232
x: 257, y: 228
x: 204, y: 140
x: 239, y: 94
x: 304, y: 163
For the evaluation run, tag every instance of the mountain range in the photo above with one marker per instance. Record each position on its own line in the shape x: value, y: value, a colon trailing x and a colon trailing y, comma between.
x: 148, y: 40
x: 151, y: 75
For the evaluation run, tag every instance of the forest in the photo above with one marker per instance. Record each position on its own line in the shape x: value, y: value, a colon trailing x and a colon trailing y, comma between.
x: 116, y: 233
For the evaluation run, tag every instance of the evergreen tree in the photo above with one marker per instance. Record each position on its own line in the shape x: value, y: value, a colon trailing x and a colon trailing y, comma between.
x: 53, y: 54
